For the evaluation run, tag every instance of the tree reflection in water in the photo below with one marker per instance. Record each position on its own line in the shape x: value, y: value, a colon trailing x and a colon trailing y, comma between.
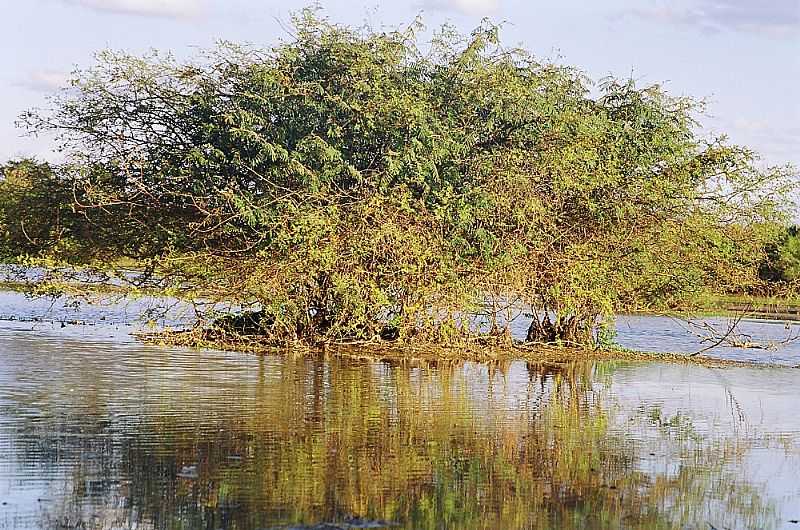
x: 424, y: 446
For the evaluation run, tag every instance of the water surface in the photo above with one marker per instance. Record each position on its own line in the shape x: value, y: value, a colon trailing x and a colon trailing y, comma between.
x: 98, y: 431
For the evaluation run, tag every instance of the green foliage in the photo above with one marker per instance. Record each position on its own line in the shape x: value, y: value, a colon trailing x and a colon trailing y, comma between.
x: 349, y: 179
x: 36, y: 216
x: 789, y: 257
x: 49, y: 218
x: 782, y: 261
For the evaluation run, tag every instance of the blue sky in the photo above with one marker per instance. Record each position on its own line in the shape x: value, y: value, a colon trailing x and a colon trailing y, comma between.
x: 743, y: 56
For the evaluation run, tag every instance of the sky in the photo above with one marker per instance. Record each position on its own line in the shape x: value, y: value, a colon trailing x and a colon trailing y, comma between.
x: 741, y: 56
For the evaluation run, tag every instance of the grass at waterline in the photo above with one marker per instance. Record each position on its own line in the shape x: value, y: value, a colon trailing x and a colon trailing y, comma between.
x: 435, y: 353
x: 723, y: 302
x: 776, y: 307
x: 74, y: 289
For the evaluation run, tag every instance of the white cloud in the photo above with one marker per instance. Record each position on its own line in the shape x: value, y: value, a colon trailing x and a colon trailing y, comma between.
x: 776, y: 17
x: 467, y: 7
x: 777, y: 142
x: 157, y: 8
x: 45, y: 80
x: 750, y: 125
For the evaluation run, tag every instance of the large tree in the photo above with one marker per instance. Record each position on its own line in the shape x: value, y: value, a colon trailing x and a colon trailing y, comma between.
x: 356, y: 185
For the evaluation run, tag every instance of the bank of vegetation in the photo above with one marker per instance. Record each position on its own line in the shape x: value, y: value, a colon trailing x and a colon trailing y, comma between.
x: 360, y: 185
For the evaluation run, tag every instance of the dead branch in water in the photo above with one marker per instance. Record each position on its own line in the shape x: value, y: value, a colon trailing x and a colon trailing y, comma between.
x: 732, y: 337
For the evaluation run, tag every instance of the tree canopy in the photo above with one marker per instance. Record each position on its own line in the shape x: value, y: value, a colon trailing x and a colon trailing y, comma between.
x: 359, y: 184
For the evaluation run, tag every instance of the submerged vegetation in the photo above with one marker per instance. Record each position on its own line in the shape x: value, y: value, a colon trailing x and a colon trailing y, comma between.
x: 357, y: 185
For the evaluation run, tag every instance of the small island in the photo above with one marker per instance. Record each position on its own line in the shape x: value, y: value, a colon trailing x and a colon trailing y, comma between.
x: 358, y: 186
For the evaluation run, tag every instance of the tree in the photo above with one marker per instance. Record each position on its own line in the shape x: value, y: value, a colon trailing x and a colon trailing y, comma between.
x: 781, y: 265
x: 35, y: 210
x: 356, y: 186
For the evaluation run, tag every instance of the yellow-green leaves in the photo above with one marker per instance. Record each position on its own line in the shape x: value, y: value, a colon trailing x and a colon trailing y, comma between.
x: 353, y: 178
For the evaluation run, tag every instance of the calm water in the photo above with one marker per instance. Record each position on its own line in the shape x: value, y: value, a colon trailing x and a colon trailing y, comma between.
x: 97, y: 431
